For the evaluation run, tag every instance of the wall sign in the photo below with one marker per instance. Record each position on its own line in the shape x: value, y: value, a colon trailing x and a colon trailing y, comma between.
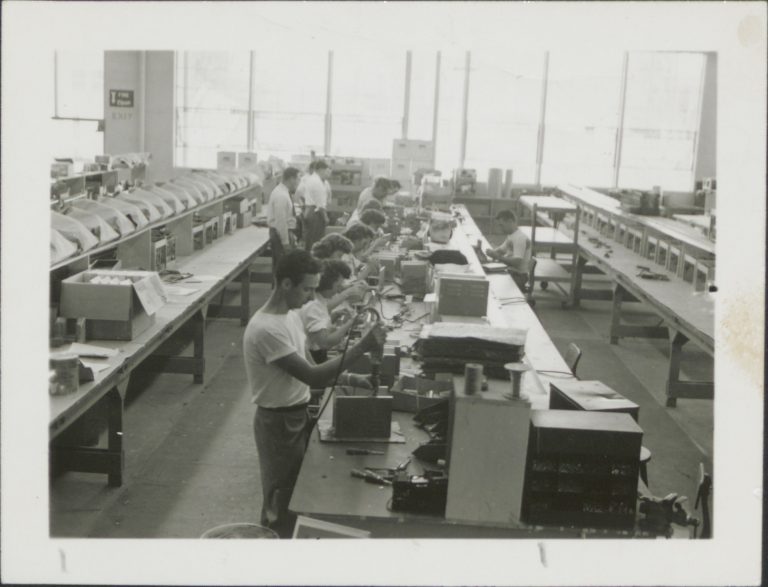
x: 121, y: 98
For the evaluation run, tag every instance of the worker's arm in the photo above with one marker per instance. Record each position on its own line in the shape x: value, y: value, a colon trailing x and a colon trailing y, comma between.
x: 329, y: 337
x: 322, y: 375
x: 357, y: 289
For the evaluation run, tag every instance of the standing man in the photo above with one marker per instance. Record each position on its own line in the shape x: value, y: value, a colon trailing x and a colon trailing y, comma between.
x: 316, y: 204
x: 280, y: 372
x: 281, y: 216
x: 515, y: 251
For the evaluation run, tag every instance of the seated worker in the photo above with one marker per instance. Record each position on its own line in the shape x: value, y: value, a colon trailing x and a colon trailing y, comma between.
x: 280, y: 373
x: 321, y: 331
x: 361, y: 237
x: 515, y: 251
x: 335, y: 246
x: 377, y: 192
x: 331, y: 246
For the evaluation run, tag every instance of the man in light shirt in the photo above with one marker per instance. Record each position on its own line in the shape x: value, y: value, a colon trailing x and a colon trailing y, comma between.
x: 280, y: 372
x: 316, y: 204
x: 515, y: 251
x: 281, y: 217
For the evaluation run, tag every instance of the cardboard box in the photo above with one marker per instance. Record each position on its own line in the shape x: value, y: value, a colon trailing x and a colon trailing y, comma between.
x: 113, y: 312
x: 226, y: 160
x: 247, y: 161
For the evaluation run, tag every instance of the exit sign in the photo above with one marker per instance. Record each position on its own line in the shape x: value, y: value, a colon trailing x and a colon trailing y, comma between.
x: 121, y: 98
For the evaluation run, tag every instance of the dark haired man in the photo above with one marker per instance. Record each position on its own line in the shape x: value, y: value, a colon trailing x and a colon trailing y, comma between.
x: 280, y: 372
x: 316, y: 203
x: 281, y: 216
x: 515, y: 251
x: 377, y: 192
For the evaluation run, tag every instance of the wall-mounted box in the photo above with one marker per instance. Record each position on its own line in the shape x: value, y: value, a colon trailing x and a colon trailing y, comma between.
x: 462, y: 294
x: 112, y: 311
x: 247, y: 161
x: 226, y: 160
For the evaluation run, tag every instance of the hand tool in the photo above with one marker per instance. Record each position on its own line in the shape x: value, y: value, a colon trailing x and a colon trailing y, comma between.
x: 364, y: 451
x: 370, y: 477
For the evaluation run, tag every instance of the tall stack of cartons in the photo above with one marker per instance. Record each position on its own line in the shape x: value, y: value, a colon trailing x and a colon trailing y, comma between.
x: 408, y: 156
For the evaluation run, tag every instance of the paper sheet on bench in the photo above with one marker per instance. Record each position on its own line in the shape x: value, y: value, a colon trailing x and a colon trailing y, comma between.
x: 89, y: 350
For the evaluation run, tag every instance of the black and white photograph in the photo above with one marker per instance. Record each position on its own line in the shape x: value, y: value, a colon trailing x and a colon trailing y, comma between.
x: 477, y: 285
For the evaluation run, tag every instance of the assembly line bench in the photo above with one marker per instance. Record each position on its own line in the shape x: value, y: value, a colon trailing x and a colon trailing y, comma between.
x: 227, y: 260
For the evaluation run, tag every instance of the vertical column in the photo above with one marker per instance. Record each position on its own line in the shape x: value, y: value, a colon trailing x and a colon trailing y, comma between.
x: 620, y: 127
x: 465, y: 107
x: 542, y: 118
x: 436, y: 108
x: 251, y: 78
x: 407, y: 101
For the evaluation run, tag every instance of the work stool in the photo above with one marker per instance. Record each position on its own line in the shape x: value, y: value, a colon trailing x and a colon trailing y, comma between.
x: 645, y: 458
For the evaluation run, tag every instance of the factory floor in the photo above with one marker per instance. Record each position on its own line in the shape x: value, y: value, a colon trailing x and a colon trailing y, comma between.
x: 190, y: 457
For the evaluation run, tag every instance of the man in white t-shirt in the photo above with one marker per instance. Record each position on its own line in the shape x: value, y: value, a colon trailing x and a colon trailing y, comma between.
x: 376, y: 192
x: 281, y: 217
x: 280, y: 372
x: 515, y: 251
x: 316, y: 204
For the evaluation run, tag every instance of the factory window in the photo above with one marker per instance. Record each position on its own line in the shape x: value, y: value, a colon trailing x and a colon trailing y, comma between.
x: 289, y: 101
x: 503, y: 113
x: 582, y: 117
x: 367, y: 102
x: 422, y: 95
x: 450, y: 111
x: 78, y: 104
x: 211, y: 106
x: 661, y: 120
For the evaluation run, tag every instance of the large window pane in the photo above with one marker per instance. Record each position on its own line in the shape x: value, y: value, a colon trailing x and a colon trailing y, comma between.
x: 80, y: 84
x: 289, y: 102
x: 661, y: 120
x: 422, y: 98
x: 368, y: 101
x: 212, y: 106
x: 503, y: 113
x: 449, y: 112
x: 582, y: 117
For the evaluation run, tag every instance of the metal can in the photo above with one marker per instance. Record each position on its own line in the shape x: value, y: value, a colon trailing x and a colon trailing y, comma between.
x: 473, y: 378
x: 67, y: 369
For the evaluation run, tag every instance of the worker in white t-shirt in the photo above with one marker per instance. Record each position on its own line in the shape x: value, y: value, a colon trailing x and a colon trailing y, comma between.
x: 376, y: 192
x: 280, y: 372
x: 515, y: 251
x: 281, y: 217
x: 316, y: 315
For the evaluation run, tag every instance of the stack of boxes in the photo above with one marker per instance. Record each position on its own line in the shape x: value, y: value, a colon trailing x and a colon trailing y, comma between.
x: 408, y: 156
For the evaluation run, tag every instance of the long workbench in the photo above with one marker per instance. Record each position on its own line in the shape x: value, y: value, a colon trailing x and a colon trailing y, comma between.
x: 228, y: 259
x: 326, y: 491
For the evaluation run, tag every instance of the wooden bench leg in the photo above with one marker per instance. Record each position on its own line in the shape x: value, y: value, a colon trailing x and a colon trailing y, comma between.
x: 683, y: 389
x: 245, y: 296
x: 618, y: 297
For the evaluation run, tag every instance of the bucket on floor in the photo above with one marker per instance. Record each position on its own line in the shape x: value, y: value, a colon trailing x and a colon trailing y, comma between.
x: 241, y: 530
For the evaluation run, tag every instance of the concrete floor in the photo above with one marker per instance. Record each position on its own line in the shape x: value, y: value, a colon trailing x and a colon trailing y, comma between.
x: 191, y: 461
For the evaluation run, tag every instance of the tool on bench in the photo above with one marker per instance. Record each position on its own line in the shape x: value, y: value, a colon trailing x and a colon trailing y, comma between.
x: 388, y: 473
x: 370, y: 477
x: 646, y: 273
x: 364, y: 451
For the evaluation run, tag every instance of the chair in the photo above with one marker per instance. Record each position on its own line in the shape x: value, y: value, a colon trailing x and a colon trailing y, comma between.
x: 572, y: 357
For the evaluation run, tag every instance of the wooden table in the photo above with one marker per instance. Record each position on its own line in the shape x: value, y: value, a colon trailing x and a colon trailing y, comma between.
x: 686, y: 315
x: 227, y: 259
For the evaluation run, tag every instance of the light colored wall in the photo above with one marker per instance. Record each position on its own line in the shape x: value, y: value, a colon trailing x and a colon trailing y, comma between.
x: 148, y: 126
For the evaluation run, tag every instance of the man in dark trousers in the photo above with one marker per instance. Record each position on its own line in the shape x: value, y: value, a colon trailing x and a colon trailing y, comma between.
x: 280, y: 373
x: 281, y: 217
